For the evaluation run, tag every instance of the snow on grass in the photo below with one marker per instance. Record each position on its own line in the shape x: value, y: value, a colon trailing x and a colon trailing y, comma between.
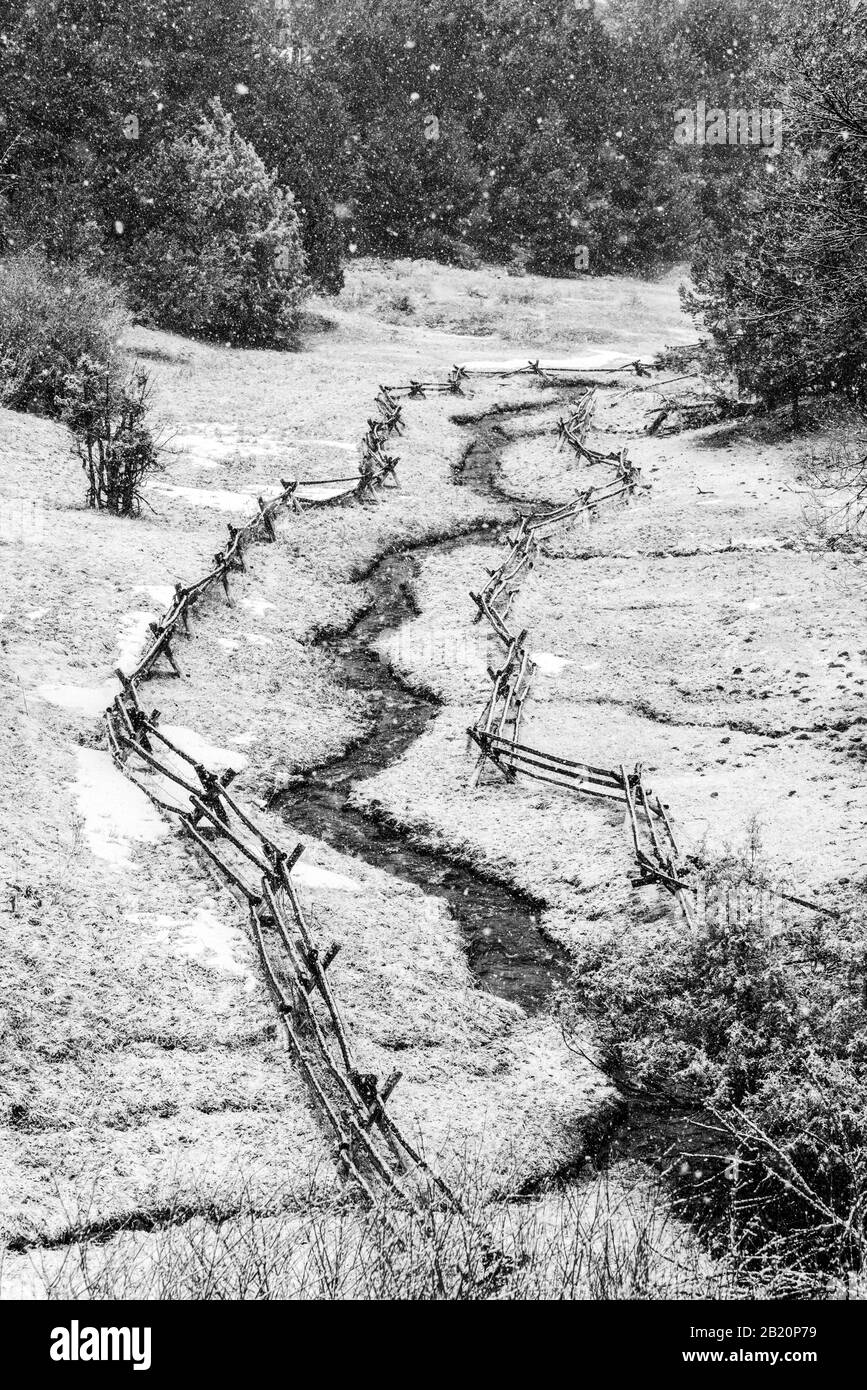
x: 258, y: 605
x: 200, y: 446
x: 218, y: 498
x: 91, y: 700
x: 548, y: 663
x: 132, y: 637
x: 197, y: 747
x: 201, y: 443
x: 317, y: 492
x: 115, y: 813
x: 163, y: 594
x: 204, y: 937
x: 312, y: 876
x: 588, y: 362
x: 756, y: 543
x: 349, y: 445
x: 214, y: 943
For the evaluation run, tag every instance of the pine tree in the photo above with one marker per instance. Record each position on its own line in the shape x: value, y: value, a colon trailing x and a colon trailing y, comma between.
x: 220, y: 253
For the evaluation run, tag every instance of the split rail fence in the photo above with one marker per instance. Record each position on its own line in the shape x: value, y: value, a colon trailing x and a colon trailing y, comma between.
x: 371, y: 1149
x: 496, y: 731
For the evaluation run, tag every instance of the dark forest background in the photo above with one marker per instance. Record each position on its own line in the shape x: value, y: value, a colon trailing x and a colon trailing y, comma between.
x: 274, y: 144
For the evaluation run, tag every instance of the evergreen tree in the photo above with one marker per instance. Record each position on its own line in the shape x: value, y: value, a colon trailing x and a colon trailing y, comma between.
x: 220, y: 249
x: 783, y: 289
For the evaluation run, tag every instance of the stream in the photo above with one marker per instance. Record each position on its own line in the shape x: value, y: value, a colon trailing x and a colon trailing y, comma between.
x: 506, y: 949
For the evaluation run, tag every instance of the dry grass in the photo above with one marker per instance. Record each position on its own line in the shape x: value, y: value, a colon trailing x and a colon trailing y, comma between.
x: 601, y: 1239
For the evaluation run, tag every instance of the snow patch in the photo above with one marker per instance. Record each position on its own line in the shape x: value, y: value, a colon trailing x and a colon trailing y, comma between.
x: 208, y: 939
x: 91, y: 700
x: 210, y: 450
x: 590, y: 362
x: 258, y: 605
x: 548, y: 663
x: 199, y: 748
x: 132, y: 637
x: 204, y: 937
x: 312, y: 876
x: 317, y: 492
x: 115, y: 812
x: 162, y: 594
x: 215, y: 497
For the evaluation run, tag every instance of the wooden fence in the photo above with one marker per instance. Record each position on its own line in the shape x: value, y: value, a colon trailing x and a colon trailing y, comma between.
x: 370, y: 1148
x: 496, y: 731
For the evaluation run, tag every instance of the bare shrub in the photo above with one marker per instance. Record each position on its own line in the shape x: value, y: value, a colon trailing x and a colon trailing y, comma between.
x: 603, y: 1239
x: 116, y: 448
x: 836, y: 477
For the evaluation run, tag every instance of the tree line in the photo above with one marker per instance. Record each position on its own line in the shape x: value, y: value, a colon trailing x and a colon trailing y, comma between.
x: 219, y: 161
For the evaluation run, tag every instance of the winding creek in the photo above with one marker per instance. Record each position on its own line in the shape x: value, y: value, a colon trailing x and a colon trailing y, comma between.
x: 507, y: 950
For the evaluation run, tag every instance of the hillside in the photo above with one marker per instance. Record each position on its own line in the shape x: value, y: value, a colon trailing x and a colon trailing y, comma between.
x: 143, y: 1085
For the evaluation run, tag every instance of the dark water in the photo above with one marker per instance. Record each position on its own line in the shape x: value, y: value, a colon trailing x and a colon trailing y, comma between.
x: 506, y: 949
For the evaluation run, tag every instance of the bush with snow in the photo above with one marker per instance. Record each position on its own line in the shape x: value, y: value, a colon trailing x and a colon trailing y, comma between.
x: 220, y: 252
x: 52, y: 319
